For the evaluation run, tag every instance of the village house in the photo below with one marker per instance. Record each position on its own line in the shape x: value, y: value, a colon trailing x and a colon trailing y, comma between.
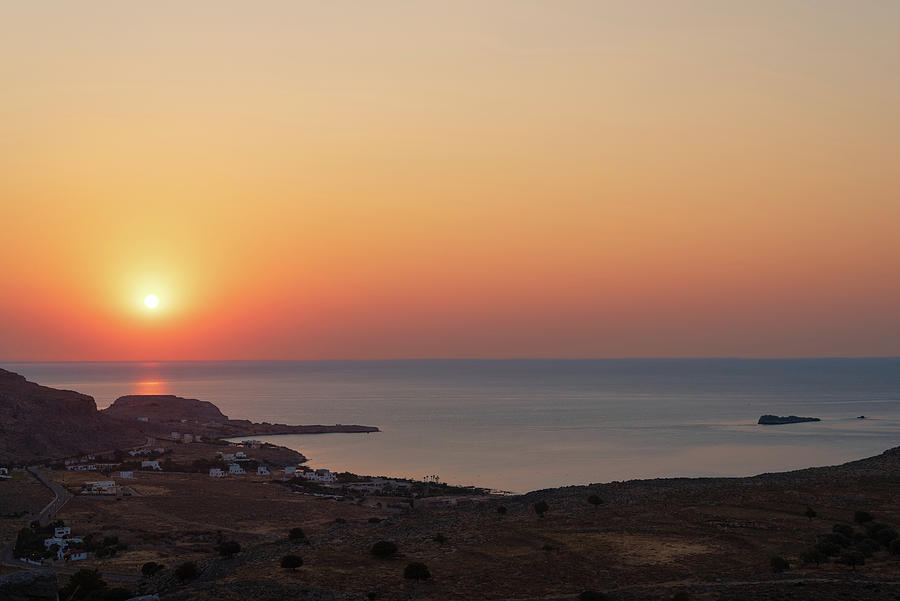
x: 215, y: 472
x: 151, y: 465
x: 66, y: 544
x: 143, y: 419
x: 253, y: 444
x: 320, y: 475
x: 290, y: 470
x: 4, y: 473
x: 241, y: 455
x: 262, y: 471
x: 105, y: 487
x: 136, y: 452
x: 188, y: 438
x: 226, y: 456
x: 126, y: 475
x: 175, y: 436
x: 234, y: 468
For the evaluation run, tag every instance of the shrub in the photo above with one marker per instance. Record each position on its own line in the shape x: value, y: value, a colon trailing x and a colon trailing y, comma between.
x: 861, y: 517
x: 384, y: 549
x: 853, y: 559
x: 291, y: 562
x: 894, y: 548
x: 150, y: 568
x: 439, y: 538
x: 810, y: 513
x: 843, y: 529
x: 374, y: 520
x: 186, y: 571
x: 828, y: 549
x: 867, y: 547
x: 886, y: 536
x: 541, y: 508
x: 502, y: 510
x: 592, y: 596
x: 112, y: 594
x: 813, y: 556
x: 228, y: 548
x: 297, y: 534
x: 779, y: 564
x: 416, y: 571
x: 595, y: 500
x: 83, y: 583
x: 681, y: 596
x: 340, y: 521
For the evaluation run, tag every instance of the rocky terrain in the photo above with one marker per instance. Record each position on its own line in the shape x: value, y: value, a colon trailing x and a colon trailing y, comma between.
x: 39, y: 422
x: 168, y: 413
x: 774, y: 420
x: 42, y: 423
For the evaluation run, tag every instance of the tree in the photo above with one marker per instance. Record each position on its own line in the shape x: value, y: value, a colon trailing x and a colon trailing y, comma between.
x: 150, y: 568
x: 297, y: 534
x: 228, y: 548
x: 813, y: 556
x: 844, y: 529
x: 502, y: 510
x: 84, y: 582
x: 384, y: 549
x: 541, y: 508
x: 439, y: 538
x: 895, y: 546
x: 681, y: 596
x: 853, y: 559
x: 592, y: 596
x: 885, y: 536
x: 186, y: 571
x: 810, y: 513
x: 861, y: 517
x: 416, y: 571
x: 291, y: 562
x: 595, y: 500
x: 779, y: 564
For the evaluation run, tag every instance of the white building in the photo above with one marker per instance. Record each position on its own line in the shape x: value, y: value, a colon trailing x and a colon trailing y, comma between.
x: 105, y: 487
x: 126, y: 475
x: 175, y: 436
x: 262, y: 471
x: 143, y: 419
x: 215, y: 472
x: 290, y: 470
x: 62, y: 531
x: 240, y: 455
x: 4, y: 473
x: 151, y: 465
x: 320, y: 475
x: 234, y: 468
x: 188, y: 438
x: 228, y: 456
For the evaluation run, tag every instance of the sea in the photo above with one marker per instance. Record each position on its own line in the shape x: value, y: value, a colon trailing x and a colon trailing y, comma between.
x: 523, y: 425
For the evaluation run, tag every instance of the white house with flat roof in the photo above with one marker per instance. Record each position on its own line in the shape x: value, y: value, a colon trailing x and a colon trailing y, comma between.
x: 151, y: 465
x: 234, y: 468
x: 215, y: 472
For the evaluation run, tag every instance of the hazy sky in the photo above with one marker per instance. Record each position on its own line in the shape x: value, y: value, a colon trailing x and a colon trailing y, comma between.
x: 434, y: 179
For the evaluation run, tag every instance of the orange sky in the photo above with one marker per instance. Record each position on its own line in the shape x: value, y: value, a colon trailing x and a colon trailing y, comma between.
x: 466, y: 179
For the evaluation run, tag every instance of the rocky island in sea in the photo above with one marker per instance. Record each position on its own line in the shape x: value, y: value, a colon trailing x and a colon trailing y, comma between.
x: 775, y: 420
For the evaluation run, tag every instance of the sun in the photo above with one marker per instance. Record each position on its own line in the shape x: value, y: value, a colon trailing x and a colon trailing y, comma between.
x: 151, y: 301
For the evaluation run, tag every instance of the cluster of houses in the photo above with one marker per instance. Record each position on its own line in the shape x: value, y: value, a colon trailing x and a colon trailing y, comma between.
x: 234, y: 461
x: 319, y: 475
x: 147, y: 451
x: 185, y: 438
x: 67, y: 545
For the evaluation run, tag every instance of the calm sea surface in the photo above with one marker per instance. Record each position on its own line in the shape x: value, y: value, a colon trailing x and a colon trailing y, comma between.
x: 521, y: 425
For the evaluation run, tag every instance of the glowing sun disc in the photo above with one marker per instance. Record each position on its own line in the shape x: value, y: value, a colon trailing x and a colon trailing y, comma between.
x: 151, y: 301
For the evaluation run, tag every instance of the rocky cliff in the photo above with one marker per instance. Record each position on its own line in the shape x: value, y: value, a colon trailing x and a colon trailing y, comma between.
x: 40, y: 422
x: 164, y: 407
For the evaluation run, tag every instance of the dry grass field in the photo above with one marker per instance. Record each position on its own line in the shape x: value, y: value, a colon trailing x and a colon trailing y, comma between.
x: 22, y: 494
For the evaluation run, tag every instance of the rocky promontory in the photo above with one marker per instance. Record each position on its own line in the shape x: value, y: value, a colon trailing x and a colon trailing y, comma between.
x: 163, y: 414
x: 774, y: 420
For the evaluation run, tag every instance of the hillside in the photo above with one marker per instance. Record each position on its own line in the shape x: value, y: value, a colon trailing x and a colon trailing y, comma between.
x: 164, y: 407
x: 40, y: 422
